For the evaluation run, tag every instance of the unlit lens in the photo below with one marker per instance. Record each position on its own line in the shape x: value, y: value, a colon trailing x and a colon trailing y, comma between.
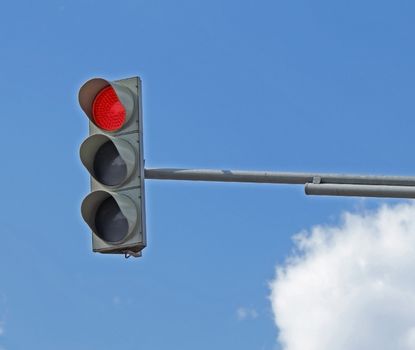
x: 109, y: 168
x: 110, y: 223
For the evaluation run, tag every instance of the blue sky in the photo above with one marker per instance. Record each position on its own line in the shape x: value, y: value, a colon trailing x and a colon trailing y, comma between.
x: 263, y: 85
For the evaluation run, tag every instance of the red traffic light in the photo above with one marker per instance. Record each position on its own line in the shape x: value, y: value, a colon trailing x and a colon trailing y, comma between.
x: 108, y: 112
x: 109, y: 105
x: 113, y: 156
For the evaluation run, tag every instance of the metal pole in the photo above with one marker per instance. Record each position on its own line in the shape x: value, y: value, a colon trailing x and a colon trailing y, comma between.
x: 275, y: 177
x: 360, y: 190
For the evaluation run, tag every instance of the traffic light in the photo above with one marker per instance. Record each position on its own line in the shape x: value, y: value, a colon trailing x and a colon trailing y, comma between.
x: 113, y: 156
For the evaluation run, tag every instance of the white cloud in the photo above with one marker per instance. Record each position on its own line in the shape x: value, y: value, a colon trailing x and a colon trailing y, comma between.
x: 352, y: 286
x: 244, y: 313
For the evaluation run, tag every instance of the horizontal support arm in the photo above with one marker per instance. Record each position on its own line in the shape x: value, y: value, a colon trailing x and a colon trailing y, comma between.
x: 315, y: 184
x: 275, y: 177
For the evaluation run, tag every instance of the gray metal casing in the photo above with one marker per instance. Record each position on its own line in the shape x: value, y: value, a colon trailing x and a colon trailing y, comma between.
x: 132, y: 132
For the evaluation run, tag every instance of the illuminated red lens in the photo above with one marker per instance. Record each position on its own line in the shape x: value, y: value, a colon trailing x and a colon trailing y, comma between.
x: 107, y: 110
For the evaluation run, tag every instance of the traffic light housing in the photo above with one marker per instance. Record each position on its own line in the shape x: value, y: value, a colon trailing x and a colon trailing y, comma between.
x: 113, y: 156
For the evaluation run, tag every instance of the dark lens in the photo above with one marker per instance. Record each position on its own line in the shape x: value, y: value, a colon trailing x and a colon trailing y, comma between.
x: 109, y: 168
x: 111, y: 225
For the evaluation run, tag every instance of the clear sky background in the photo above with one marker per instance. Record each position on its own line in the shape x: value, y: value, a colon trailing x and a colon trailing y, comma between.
x: 316, y: 86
